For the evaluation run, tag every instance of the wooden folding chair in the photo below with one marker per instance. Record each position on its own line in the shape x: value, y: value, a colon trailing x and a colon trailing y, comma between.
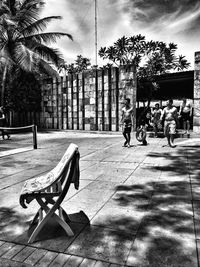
x: 50, y: 189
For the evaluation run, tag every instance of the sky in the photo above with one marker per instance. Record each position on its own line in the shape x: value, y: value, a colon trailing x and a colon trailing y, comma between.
x: 176, y: 21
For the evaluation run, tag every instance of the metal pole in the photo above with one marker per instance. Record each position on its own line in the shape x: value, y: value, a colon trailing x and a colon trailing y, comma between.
x: 34, y: 129
x: 96, y: 32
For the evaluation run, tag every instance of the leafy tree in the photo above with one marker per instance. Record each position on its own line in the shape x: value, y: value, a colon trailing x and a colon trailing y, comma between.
x: 158, y: 56
x: 23, y: 42
x: 125, y: 50
x: 80, y: 64
x: 24, y: 93
x: 151, y: 58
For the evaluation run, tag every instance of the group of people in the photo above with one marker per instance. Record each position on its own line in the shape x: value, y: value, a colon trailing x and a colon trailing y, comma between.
x: 167, y: 118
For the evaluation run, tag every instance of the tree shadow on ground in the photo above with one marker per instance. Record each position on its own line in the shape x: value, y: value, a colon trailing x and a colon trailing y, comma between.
x: 155, y: 226
x: 12, y: 223
x: 164, y: 234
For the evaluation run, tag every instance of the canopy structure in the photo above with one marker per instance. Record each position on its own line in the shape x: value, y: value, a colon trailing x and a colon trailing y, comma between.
x: 171, y: 85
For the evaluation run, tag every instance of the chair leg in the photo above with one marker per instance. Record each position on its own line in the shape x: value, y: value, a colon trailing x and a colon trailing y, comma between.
x: 36, y: 231
x: 34, y: 220
x: 64, y: 225
x: 64, y: 214
x: 49, y: 213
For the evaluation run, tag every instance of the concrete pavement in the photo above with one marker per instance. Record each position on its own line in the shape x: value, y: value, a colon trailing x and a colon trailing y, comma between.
x: 137, y: 206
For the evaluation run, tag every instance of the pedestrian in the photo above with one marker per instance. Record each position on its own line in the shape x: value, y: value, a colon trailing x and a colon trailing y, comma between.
x: 185, y: 113
x: 156, y: 114
x: 170, y: 117
x: 144, y: 123
x: 127, y: 122
x: 3, y: 122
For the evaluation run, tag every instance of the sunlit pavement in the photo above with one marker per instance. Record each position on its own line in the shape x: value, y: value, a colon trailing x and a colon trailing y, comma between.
x: 137, y: 206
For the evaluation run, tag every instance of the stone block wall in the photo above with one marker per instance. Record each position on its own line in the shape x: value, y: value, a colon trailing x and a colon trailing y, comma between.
x: 196, y: 104
x: 88, y: 101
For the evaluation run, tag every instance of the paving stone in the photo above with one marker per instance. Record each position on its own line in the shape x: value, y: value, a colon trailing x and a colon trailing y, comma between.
x: 47, y: 259
x: 124, y: 218
x: 21, y: 176
x: 13, y: 251
x: 196, y: 206
x: 35, y: 256
x: 84, y: 164
x: 163, y: 242
x: 101, y: 264
x: 12, y: 223
x: 5, y: 247
x: 73, y: 261
x: 196, y: 191
x: 23, y: 254
x: 72, y: 191
x: 102, y: 243
x: 1, y: 242
x: 11, y: 263
x: 88, y: 263
x: 197, y: 228
x: 60, y: 260
x: 90, y: 204
x: 61, y: 240
x: 198, y: 248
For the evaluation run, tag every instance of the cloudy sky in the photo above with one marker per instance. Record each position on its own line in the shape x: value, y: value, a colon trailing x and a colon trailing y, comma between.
x: 175, y: 21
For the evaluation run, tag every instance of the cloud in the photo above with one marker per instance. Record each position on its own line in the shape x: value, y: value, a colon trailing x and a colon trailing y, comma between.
x: 169, y: 21
x: 173, y: 17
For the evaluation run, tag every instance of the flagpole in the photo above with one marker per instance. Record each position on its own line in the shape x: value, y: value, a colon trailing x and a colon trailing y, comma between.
x: 96, y: 32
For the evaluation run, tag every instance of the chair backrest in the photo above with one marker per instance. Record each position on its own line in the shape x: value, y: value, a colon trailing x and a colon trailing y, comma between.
x: 64, y: 168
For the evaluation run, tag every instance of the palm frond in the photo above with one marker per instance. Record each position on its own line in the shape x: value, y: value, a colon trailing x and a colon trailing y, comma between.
x: 50, y: 54
x: 24, y: 57
x: 45, y: 67
x: 48, y: 37
x: 28, y: 12
x: 26, y: 4
x: 39, y: 25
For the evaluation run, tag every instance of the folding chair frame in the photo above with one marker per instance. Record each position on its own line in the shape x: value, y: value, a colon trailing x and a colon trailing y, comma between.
x: 45, y: 198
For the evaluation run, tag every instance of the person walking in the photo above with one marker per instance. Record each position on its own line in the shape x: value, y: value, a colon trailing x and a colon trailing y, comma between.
x: 127, y: 122
x: 144, y: 122
x: 185, y: 114
x: 170, y: 117
x: 3, y: 123
x: 156, y: 114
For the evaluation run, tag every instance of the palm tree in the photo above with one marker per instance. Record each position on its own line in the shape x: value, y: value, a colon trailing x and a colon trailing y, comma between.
x: 23, y: 42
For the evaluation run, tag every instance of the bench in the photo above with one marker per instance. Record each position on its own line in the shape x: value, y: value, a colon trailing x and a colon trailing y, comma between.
x: 49, y: 191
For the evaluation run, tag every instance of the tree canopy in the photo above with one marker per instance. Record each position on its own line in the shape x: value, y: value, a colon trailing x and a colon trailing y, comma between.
x: 80, y: 64
x: 150, y: 57
x: 24, y: 43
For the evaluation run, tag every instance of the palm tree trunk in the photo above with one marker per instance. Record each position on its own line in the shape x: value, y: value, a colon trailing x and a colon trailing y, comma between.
x: 3, y: 85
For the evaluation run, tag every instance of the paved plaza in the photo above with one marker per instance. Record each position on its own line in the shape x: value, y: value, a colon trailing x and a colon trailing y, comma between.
x: 137, y: 206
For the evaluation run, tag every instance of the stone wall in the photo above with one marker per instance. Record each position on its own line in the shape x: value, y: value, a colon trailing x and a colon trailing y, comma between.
x: 196, y: 115
x: 88, y: 101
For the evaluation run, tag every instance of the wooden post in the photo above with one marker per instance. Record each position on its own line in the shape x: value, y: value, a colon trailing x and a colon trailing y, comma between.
x: 34, y: 129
